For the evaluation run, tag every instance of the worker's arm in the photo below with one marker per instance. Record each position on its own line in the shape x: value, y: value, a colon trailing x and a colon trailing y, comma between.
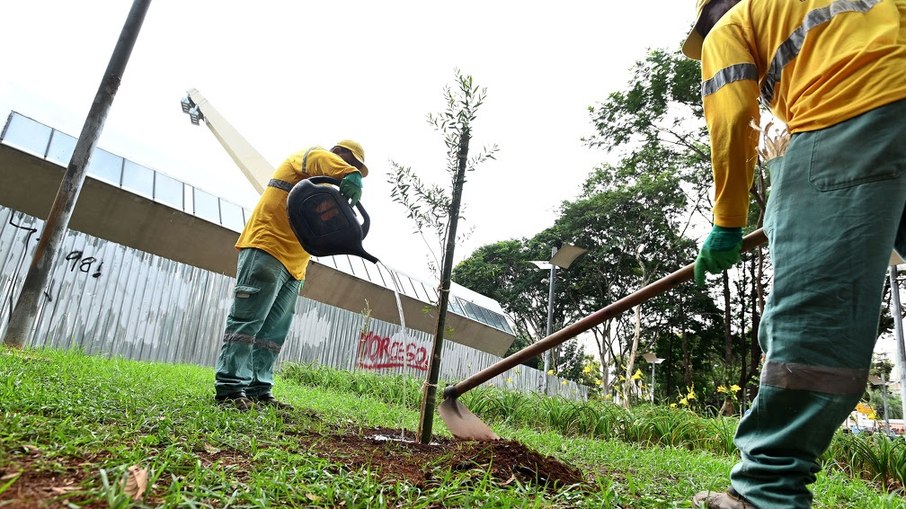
x: 331, y: 165
x: 730, y: 100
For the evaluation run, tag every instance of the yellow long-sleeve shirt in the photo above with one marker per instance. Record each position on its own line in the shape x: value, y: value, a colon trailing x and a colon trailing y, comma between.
x: 814, y: 63
x: 268, y: 229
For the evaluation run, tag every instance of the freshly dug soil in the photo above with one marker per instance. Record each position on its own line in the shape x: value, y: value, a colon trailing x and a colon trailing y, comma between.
x: 394, y: 455
x: 390, y: 455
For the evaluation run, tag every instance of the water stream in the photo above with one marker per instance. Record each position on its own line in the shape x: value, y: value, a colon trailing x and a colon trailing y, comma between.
x: 402, y: 332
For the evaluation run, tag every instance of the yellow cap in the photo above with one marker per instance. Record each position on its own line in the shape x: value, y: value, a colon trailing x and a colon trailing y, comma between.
x: 357, y: 151
x: 692, y: 48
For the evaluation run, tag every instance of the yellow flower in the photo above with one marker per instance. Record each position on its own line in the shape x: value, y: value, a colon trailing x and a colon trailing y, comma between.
x: 550, y: 372
x: 587, y: 368
x: 637, y: 375
x: 721, y: 388
x: 509, y: 379
x: 735, y: 388
x: 683, y: 402
x: 563, y: 382
x: 608, y: 396
x: 867, y: 411
x: 691, y: 394
x: 672, y: 405
x: 599, y: 382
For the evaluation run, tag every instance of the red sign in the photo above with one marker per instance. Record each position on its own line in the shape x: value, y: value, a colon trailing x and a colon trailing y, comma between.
x: 377, y: 352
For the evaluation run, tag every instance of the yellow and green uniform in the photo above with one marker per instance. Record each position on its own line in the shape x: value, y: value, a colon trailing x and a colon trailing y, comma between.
x: 269, y: 276
x: 268, y: 229
x: 835, y: 72
x: 814, y: 63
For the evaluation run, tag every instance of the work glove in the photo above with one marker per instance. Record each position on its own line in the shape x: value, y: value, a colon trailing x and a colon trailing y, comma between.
x: 719, y: 252
x: 351, y: 187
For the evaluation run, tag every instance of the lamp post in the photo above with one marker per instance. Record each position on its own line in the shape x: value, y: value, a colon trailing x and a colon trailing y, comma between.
x: 562, y: 256
x: 654, y: 360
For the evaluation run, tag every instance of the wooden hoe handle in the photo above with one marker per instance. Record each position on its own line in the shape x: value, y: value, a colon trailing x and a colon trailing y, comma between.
x: 751, y: 241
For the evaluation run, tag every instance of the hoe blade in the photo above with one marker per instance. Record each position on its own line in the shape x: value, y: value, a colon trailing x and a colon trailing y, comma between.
x: 462, y: 423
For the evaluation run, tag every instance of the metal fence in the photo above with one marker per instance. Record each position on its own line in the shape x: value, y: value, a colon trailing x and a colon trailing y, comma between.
x: 109, y: 299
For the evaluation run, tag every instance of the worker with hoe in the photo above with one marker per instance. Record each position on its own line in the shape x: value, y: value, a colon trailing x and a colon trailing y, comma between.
x: 270, y: 274
x: 835, y: 72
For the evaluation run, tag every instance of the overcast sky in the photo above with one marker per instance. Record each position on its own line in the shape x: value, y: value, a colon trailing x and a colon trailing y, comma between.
x: 288, y: 74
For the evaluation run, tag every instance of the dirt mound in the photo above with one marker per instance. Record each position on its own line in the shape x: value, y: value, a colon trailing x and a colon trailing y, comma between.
x: 394, y: 455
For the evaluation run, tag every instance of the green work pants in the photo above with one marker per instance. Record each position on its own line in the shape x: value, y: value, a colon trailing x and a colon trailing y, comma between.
x: 263, y: 304
x: 835, y: 211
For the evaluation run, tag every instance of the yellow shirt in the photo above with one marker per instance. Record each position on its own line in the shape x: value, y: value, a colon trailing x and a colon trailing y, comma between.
x: 814, y: 63
x: 268, y: 229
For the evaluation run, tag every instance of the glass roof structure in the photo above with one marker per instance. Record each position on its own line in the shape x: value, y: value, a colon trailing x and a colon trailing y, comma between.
x: 34, y: 138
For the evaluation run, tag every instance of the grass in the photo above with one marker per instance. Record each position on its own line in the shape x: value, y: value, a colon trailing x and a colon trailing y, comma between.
x: 65, y: 415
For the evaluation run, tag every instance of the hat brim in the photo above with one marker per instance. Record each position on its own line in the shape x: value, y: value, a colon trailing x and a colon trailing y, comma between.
x: 364, y: 169
x: 692, y: 48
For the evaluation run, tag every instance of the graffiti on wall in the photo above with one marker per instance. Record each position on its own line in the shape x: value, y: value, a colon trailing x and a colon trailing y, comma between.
x: 74, y: 260
x: 381, y: 352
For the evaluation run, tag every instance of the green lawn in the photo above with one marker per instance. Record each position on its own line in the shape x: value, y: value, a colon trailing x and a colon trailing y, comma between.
x: 71, y: 425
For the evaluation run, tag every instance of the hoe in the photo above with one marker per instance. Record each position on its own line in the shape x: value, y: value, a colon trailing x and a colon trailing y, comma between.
x: 465, y: 425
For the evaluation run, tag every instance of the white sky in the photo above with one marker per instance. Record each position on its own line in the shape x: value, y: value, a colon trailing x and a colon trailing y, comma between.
x: 289, y: 74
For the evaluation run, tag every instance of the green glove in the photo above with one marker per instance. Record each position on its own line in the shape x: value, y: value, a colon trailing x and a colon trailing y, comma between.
x: 351, y: 187
x: 719, y: 252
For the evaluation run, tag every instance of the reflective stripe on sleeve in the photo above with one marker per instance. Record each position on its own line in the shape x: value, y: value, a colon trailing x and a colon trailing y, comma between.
x: 728, y: 75
x: 803, y: 377
x: 280, y: 184
x: 791, y: 47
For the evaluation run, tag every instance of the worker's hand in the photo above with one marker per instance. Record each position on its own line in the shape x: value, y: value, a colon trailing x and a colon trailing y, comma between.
x: 719, y: 252
x: 351, y: 187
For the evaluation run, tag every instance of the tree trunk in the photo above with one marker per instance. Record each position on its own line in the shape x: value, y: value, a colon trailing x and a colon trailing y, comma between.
x: 728, y: 314
x: 630, y: 363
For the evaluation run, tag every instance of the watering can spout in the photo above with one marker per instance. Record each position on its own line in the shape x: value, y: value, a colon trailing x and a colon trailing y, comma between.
x: 323, y: 220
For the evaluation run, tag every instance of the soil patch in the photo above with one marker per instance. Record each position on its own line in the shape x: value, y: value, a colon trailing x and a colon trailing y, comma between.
x: 390, y: 455
x: 393, y: 455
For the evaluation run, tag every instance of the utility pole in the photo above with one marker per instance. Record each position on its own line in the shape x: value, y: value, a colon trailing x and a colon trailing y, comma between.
x: 23, y: 316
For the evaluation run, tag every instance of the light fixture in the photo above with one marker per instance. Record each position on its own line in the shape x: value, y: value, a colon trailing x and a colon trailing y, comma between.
x: 567, y: 255
x: 652, y: 358
x: 195, y: 115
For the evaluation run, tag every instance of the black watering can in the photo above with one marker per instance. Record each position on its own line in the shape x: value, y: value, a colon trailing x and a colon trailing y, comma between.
x: 323, y: 220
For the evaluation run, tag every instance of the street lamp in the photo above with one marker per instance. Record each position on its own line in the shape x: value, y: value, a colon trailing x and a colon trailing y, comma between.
x: 562, y: 256
x: 654, y: 360
x: 190, y: 108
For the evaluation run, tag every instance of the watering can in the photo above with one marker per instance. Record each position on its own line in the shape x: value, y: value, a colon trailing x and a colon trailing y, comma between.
x: 323, y: 220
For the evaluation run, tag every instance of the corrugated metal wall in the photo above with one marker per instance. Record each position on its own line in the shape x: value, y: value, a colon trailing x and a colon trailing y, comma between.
x: 105, y: 298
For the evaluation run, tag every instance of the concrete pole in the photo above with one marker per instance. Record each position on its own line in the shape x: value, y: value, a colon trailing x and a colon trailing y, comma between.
x: 22, y: 319
x: 897, y: 314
